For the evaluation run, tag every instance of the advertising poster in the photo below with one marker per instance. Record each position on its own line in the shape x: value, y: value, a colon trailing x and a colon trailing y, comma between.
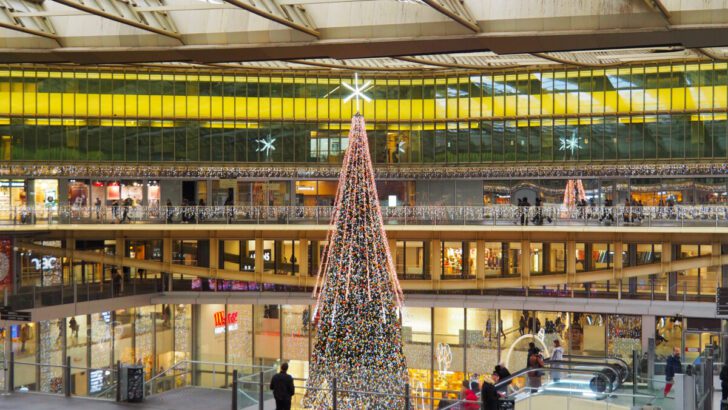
x: 6, y: 263
x: 78, y: 194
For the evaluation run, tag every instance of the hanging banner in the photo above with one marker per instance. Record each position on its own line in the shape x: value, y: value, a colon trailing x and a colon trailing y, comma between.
x: 6, y: 263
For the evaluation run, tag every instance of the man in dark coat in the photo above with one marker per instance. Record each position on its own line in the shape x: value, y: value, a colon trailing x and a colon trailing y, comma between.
x: 673, y: 366
x: 489, y: 394
x: 283, y: 389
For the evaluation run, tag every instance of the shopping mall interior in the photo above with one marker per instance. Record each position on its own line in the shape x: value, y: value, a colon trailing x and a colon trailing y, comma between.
x: 172, y: 181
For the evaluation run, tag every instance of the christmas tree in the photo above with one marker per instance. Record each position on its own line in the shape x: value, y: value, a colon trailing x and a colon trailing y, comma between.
x: 357, y: 315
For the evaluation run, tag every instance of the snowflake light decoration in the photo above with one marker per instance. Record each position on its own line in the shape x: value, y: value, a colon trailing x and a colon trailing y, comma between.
x: 266, y: 145
x: 571, y: 143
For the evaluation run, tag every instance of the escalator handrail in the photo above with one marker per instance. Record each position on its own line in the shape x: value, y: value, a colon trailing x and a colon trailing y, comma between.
x: 605, y: 358
x: 612, y: 368
x: 525, y: 371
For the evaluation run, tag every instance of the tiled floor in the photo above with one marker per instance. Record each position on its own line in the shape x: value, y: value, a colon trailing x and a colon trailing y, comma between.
x: 193, y: 399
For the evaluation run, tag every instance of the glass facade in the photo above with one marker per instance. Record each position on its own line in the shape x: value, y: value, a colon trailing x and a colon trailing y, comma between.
x: 443, y: 346
x: 641, y: 112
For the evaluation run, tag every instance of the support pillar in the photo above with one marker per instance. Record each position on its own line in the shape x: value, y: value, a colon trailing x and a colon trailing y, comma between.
x: 570, y: 257
x: 214, y: 250
x: 259, y: 263
x: 480, y: 260
x: 525, y: 263
x: 436, y: 259
x: 303, y: 257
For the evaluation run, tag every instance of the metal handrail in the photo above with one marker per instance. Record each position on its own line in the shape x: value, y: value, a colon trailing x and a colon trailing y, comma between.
x: 202, y: 363
x: 605, y: 358
x: 620, y: 215
x: 603, y: 366
x: 519, y: 373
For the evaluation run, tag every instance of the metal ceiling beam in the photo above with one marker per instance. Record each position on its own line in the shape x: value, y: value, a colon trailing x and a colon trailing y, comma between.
x: 15, y: 22
x: 560, y: 60
x: 455, y: 10
x: 358, y: 48
x: 426, y: 61
x: 119, y: 19
x: 660, y: 7
x: 292, y: 16
x: 354, y: 67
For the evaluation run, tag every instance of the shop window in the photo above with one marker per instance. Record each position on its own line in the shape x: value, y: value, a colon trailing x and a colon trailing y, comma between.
x: 481, y: 340
x: 185, y: 252
x: 410, y: 258
x: 493, y: 258
x: 602, y: 255
x: 624, y: 335
x: 514, y: 258
x: 417, y: 345
x: 452, y: 259
x: 449, y: 339
x: 582, y: 263
x: 587, y: 334
x: 668, y: 334
x: 537, y: 257
x: 648, y: 253
x: 556, y: 254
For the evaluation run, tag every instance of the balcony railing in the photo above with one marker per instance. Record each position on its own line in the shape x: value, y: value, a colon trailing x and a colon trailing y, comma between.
x: 504, y: 215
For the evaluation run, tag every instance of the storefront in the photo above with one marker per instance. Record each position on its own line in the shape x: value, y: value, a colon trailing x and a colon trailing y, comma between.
x: 12, y: 197
x: 443, y: 346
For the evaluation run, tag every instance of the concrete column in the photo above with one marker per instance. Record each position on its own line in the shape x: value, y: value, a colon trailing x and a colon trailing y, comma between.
x: 570, y: 262
x: 62, y: 195
x: 436, y: 259
x: 145, y: 192
x: 570, y: 258
x: 120, y: 249
x: 480, y: 260
x: 214, y: 254
x: 618, y: 248
x: 525, y: 260
x: 303, y: 257
x: 648, y: 330
x: 259, y: 255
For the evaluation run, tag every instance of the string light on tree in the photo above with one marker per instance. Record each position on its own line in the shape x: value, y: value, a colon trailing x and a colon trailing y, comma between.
x: 357, y: 315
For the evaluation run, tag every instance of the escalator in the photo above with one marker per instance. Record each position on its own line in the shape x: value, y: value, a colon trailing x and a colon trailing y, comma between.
x: 575, y: 377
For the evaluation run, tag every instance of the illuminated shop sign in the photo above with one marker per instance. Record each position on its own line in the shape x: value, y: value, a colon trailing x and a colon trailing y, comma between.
x: 45, y: 263
x: 221, y: 320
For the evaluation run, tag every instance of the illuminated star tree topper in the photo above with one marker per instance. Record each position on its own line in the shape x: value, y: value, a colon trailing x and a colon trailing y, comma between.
x: 357, y: 315
x: 357, y: 91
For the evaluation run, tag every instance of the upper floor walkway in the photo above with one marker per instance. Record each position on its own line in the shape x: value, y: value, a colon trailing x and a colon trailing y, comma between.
x: 490, y: 215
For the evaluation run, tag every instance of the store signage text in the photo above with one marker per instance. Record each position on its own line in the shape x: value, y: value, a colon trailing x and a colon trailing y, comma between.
x: 45, y: 263
x: 221, y: 320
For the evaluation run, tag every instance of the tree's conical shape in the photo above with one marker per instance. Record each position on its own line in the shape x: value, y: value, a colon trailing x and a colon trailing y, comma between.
x: 357, y: 316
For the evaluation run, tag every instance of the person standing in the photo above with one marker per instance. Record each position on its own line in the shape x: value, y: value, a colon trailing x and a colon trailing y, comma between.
x: 468, y: 397
x: 283, y: 388
x: 673, y: 367
x: 535, y: 362
x: 557, y: 355
x: 724, y: 381
x: 489, y: 394
x: 522, y: 325
x: 97, y: 205
x: 503, y: 374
